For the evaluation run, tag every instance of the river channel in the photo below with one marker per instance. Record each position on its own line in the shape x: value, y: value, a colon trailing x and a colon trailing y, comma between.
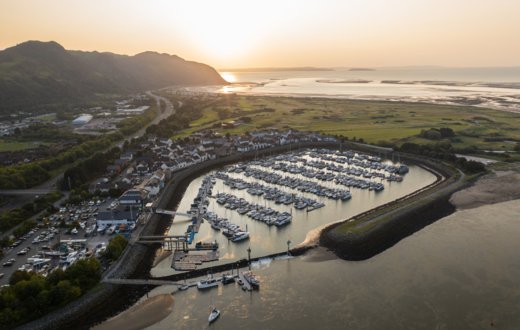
x: 462, y: 272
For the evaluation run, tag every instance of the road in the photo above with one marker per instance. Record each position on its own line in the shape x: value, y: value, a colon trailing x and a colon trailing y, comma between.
x: 50, y: 185
x: 20, y: 192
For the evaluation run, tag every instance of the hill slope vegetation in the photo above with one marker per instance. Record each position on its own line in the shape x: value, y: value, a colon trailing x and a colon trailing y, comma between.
x: 37, y: 73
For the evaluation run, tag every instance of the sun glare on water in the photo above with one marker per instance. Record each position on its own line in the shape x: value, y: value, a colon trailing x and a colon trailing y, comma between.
x: 228, y: 76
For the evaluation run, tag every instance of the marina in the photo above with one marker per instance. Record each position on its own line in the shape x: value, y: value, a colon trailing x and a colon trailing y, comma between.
x: 257, y: 206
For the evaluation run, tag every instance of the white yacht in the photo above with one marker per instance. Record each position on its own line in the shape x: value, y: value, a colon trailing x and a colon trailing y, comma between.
x: 240, y: 236
x: 206, y: 284
x: 215, y: 313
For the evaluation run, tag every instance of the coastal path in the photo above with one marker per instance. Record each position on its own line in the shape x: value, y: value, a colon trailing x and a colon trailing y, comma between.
x: 126, y: 281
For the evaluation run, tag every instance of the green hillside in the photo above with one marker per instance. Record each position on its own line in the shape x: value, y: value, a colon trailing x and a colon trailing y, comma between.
x: 34, y: 74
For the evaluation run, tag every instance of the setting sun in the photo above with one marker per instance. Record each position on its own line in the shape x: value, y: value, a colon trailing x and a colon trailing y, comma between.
x: 228, y: 76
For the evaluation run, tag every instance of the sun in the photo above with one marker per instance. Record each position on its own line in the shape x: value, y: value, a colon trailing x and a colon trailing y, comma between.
x: 228, y: 76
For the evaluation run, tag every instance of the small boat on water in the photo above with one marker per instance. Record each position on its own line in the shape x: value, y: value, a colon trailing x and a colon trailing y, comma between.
x: 207, y: 246
x: 251, y: 279
x: 215, y: 313
x: 227, y: 278
x: 184, y: 287
x: 240, y: 236
x: 207, y: 284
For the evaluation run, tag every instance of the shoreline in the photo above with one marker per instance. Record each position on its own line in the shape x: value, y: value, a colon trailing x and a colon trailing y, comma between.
x: 107, y: 300
x: 374, y: 231
x: 463, y: 101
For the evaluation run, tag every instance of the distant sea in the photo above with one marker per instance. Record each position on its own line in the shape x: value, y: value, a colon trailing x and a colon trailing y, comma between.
x: 497, y: 88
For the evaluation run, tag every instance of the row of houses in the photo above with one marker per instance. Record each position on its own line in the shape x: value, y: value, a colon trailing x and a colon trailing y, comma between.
x: 143, y: 177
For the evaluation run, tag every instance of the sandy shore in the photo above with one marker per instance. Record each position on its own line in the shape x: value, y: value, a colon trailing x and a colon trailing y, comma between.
x: 142, y: 315
x: 494, y: 188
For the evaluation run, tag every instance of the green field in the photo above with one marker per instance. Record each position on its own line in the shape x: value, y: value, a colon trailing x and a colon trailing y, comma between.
x: 17, y: 146
x: 373, y: 121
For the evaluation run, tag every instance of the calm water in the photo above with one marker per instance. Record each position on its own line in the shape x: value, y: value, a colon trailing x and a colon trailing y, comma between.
x: 432, y: 85
x: 265, y: 240
x: 462, y: 272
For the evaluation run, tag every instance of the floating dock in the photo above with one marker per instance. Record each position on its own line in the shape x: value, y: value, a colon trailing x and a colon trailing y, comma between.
x: 186, y: 261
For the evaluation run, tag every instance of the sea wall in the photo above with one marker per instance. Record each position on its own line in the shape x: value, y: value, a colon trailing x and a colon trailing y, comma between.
x: 398, y: 219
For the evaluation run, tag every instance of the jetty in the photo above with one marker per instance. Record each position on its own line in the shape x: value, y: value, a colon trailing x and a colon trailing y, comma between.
x: 245, y: 283
x: 189, y: 260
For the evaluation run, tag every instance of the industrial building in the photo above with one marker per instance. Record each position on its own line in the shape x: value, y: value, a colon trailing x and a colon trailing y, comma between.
x: 82, y: 120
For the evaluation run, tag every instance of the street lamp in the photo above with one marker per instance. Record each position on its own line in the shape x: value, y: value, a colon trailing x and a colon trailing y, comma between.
x: 288, y: 246
x: 249, y: 256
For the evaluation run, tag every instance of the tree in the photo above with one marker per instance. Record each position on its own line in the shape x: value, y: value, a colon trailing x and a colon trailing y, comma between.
x: 446, y: 132
x: 116, y: 247
x: 62, y: 293
x: 18, y: 276
x: 56, y: 276
x: 84, y: 273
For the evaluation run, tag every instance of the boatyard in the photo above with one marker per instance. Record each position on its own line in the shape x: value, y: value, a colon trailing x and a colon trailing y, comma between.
x: 267, y: 204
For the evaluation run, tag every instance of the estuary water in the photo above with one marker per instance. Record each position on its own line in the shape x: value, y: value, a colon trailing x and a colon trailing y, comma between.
x: 462, y: 272
x: 497, y: 88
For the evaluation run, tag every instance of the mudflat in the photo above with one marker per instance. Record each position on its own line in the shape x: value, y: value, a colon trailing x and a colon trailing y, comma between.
x: 142, y: 315
x: 495, y: 188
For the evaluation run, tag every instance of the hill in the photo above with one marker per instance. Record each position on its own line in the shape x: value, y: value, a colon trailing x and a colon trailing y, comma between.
x: 34, y: 74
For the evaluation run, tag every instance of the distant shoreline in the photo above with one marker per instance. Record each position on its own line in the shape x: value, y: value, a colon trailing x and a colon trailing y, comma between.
x: 275, y: 69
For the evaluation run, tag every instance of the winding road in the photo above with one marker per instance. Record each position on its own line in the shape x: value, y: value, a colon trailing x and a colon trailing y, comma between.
x: 21, y: 196
x: 50, y: 185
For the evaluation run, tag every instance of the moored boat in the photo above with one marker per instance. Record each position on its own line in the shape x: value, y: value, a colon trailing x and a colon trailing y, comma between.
x: 215, y: 313
x: 207, y: 284
x: 240, y: 236
x: 251, y: 279
x: 227, y: 278
x: 206, y: 246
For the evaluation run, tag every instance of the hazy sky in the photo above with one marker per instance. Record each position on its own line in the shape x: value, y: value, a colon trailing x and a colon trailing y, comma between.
x: 259, y: 33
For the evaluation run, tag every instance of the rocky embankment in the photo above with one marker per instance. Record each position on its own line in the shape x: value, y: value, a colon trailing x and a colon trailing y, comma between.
x: 374, y: 231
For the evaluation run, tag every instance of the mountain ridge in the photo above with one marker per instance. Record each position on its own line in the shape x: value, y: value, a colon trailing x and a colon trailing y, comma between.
x: 36, y: 73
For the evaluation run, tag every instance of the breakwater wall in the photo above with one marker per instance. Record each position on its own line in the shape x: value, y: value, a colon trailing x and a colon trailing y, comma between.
x: 389, y: 223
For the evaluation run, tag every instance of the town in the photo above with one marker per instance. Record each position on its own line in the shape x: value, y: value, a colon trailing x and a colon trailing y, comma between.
x: 83, y: 229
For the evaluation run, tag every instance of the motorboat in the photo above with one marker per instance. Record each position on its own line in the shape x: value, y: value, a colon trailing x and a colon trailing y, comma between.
x: 240, y: 236
x: 207, y: 284
x: 227, y: 278
x: 206, y: 246
x: 251, y: 279
x: 215, y: 313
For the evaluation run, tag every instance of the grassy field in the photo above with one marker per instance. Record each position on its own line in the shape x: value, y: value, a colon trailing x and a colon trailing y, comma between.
x: 17, y: 146
x: 373, y: 121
